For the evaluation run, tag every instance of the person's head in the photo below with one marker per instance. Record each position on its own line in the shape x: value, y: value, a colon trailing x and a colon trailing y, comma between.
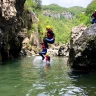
x: 48, y: 27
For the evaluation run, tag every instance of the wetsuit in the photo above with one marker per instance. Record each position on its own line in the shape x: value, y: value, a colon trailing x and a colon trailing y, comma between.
x: 94, y: 18
x: 49, y: 39
x: 43, y: 52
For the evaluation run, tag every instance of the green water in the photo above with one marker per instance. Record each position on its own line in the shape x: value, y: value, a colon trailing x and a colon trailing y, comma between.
x: 31, y: 77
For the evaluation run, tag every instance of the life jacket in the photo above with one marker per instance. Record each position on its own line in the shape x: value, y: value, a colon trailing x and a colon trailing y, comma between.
x: 50, y: 34
x: 47, y: 58
x: 43, y: 46
x: 94, y: 15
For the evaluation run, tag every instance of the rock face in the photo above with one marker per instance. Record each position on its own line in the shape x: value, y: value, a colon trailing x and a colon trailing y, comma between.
x: 67, y: 15
x: 82, y: 55
x: 31, y: 45
x: 8, y: 9
x: 13, y: 22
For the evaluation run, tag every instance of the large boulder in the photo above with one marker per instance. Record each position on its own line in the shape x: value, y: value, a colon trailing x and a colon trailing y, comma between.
x: 82, y: 54
x: 14, y: 21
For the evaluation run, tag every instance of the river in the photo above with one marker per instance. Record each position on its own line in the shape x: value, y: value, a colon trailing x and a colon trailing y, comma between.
x: 30, y: 76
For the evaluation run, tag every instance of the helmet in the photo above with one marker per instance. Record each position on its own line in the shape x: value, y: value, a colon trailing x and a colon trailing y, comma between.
x: 48, y: 27
x: 47, y: 54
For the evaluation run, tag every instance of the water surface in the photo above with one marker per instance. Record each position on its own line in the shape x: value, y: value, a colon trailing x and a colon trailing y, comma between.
x: 30, y: 76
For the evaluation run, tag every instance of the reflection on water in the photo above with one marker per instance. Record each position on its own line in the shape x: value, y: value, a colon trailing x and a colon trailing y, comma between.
x: 31, y: 76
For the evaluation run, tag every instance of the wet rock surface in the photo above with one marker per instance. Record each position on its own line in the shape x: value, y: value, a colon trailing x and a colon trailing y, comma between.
x: 82, y: 53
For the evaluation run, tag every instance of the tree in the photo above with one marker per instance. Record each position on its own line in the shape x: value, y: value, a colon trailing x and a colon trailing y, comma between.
x: 91, y: 7
x: 38, y: 4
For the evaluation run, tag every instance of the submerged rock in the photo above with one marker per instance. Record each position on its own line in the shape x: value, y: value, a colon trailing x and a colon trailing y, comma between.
x: 82, y: 54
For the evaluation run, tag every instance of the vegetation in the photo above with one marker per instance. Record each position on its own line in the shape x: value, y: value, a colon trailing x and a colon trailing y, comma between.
x: 90, y: 8
x: 61, y: 26
x: 54, y: 8
x: 59, y: 29
x: 89, y: 11
x: 33, y: 4
x: 76, y: 10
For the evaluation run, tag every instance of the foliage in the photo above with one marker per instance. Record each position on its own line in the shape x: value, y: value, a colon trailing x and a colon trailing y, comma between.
x: 91, y: 7
x: 82, y: 18
x: 61, y: 26
x: 33, y: 4
x: 33, y: 29
x: 38, y: 3
x: 89, y: 11
x: 76, y: 10
x: 53, y: 8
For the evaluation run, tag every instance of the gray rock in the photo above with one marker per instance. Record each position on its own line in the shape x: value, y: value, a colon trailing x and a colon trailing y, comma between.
x: 82, y: 54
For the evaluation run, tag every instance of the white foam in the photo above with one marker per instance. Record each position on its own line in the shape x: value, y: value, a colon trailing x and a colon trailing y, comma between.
x: 39, y: 62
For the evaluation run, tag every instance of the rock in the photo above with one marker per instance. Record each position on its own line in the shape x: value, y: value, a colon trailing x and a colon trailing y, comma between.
x: 82, y: 53
x: 8, y: 8
x: 67, y: 15
x: 26, y: 41
x: 52, y: 52
x: 61, y: 51
x: 23, y: 33
x: 12, y: 26
x: 32, y: 44
x: 35, y: 39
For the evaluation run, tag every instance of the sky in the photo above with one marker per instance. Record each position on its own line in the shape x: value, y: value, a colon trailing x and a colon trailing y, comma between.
x: 67, y: 3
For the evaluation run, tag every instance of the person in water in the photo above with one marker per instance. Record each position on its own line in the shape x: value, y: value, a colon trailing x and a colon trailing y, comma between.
x: 94, y: 17
x: 43, y: 52
x: 47, y: 66
x: 47, y: 58
x: 50, y: 36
